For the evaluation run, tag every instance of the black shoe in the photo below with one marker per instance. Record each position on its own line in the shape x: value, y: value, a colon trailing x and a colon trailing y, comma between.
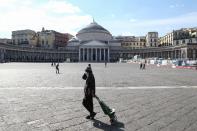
x: 88, y: 117
x: 92, y: 115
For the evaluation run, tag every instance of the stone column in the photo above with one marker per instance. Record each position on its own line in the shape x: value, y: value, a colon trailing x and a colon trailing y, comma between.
x: 193, y: 54
x: 92, y: 54
x: 175, y: 54
x: 87, y: 55
x: 1, y: 55
x: 96, y: 54
x: 108, y: 56
x: 79, y: 54
x: 104, y: 54
x: 100, y: 54
x: 83, y: 54
x: 179, y: 54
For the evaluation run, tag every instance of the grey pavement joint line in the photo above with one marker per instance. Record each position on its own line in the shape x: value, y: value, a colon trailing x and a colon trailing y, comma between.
x: 102, y: 88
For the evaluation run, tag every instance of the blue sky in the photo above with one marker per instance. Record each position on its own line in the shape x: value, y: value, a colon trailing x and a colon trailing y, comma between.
x: 120, y: 17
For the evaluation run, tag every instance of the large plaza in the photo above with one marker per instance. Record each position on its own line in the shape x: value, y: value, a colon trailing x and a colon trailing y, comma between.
x: 114, y: 75
x: 33, y: 97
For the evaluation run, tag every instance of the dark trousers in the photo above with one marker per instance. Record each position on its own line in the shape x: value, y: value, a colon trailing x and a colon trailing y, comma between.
x: 57, y: 70
x: 88, y: 104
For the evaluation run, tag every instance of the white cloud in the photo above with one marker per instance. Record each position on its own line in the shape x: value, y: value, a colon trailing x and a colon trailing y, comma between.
x: 171, y: 6
x: 132, y: 20
x: 113, y: 15
x: 61, y: 7
x: 141, y: 27
x: 55, y: 14
x: 189, y: 18
x: 126, y: 34
x: 176, y: 5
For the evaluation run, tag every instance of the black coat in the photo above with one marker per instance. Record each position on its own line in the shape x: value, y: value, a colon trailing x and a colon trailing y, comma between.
x: 89, y: 88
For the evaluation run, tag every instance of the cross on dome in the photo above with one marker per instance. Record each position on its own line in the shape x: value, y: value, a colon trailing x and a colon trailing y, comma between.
x: 94, y: 21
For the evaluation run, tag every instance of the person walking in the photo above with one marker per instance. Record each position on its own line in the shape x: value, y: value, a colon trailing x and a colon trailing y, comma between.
x: 144, y: 64
x: 89, y: 92
x: 140, y: 65
x: 105, y: 63
x: 57, y: 68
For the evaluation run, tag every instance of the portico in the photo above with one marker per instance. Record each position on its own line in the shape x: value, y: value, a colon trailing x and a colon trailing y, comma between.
x: 93, y: 54
x: 94, y: 51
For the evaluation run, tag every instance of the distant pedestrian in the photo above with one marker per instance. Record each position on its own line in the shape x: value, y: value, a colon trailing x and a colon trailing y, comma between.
x: 140, y: 65
x: 144, y: 65
x: 52, y: 64
x: 89, y: 92
x: 57, y: 68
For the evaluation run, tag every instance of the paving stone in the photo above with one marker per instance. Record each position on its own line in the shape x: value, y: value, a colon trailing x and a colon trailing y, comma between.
x: 50, y: 106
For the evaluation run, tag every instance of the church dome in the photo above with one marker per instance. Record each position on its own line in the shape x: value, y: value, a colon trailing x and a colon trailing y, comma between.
x: 94, y: 31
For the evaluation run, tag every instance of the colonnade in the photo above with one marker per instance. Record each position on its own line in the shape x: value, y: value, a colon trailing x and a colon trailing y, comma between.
x: 94, y: 54
x: 172, y: 54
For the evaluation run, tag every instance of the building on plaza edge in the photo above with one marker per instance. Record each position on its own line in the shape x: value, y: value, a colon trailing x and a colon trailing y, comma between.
x: 96, y: 44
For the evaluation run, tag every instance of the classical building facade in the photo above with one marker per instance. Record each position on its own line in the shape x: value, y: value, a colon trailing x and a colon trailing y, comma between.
x: 5, y: 40
x: 45, y: 38
x: 96, y: 44
x: 173, y: 38
x: 132, y: 42
x: 24, y: 37
x: 152, y: 39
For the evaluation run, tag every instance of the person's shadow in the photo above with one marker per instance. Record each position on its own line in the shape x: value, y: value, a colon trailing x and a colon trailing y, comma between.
x: 105, y: 127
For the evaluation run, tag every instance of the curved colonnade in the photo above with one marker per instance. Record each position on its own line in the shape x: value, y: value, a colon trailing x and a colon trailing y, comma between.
x: 12, y: 53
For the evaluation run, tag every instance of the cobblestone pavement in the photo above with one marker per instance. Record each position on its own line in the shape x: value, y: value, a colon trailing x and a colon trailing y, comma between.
x: 115, y: 75
x: 61, y: 110
x: 34, y: 98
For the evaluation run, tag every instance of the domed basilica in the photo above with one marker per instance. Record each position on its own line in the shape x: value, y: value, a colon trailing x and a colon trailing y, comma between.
x: 94, y: 44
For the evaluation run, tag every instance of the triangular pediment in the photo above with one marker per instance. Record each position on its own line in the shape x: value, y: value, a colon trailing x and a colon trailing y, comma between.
x: 94, y: 43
